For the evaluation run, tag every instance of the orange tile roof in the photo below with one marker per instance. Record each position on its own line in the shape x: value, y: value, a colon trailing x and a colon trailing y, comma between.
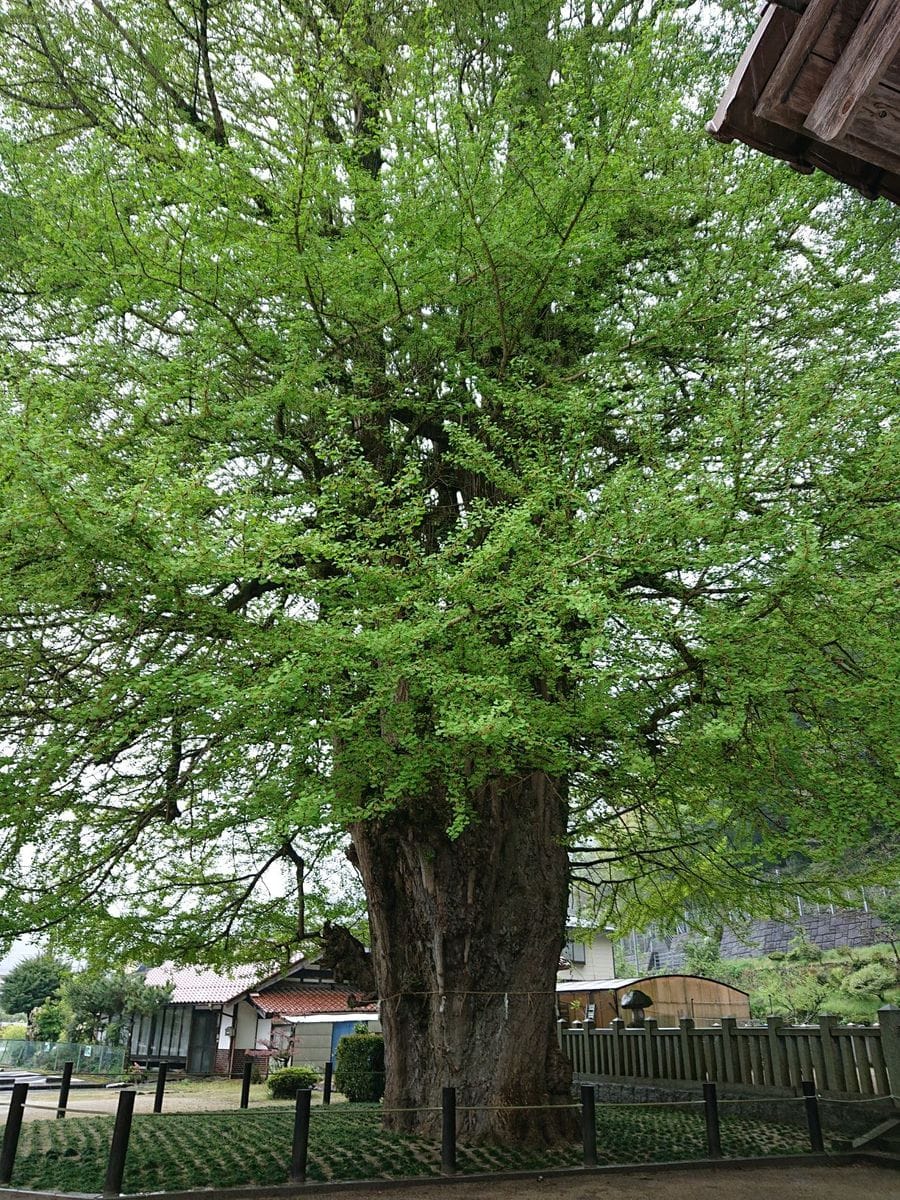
x: 306, y: 1000
x: 195, y: 985
x: 199, y: 985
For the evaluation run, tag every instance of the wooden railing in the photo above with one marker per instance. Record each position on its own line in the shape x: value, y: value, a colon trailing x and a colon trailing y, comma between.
x: 845, y: 1061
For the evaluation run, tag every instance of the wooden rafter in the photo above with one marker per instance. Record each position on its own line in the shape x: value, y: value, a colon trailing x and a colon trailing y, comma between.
x: 819, y: 85
x: 868, y: 55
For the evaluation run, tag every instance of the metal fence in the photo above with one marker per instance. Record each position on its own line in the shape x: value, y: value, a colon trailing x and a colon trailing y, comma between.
x: 44, y: 1057
x: 842, y: 1060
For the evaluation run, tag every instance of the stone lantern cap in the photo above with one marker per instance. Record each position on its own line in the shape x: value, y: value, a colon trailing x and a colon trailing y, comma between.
x: 636, y: 999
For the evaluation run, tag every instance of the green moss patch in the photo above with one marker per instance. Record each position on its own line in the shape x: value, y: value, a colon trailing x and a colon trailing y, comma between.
x: 231, y: 1149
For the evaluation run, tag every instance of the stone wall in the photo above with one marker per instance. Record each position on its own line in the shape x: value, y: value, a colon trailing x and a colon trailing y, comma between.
x: 827, y: 930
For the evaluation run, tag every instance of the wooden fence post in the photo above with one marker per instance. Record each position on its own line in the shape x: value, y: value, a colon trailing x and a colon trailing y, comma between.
x: 64, y: 1084
x: 686, y: 1025
x: 811, y: 1104
x: 730, y: 1065
x: 162, y: 1072
x: 245, y: 1082
x: 711, y: 1112
x: 118, y: 1150
x: 832, y: 1081
x: 589, y: 1125
x: 588, y: 1051
x: 777, y: 1053
x: 561, y: 1027
x: 448, y: 1131
x: 889, y: 1023
x: 650, y: 1048
x: 300, y: 1144
x: 326, y: 1083
x: 617, y: 1025
x: 12, y: 1131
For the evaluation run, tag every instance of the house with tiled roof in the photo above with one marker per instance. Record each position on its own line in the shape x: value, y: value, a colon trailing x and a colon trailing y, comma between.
x: 312, y: 1018
x: 213, y: 1022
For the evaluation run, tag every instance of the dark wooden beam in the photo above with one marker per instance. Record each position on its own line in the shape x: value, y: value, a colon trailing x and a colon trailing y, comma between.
x: 872, y: 48
x: 798, y: 49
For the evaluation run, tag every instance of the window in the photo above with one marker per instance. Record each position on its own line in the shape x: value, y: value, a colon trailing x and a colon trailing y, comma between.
x: 575, y: 952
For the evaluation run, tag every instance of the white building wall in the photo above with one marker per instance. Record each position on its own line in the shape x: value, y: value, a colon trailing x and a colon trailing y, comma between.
x: 226, y: 1021
x: 598, y: 960
x: 246, y: 1034
x: 599, y: 956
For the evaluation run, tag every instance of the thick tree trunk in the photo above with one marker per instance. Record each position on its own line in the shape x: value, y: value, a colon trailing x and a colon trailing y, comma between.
x: 466, y: 938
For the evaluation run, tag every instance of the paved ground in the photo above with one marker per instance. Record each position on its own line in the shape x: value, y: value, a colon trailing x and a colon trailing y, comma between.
x: 758, y: 1183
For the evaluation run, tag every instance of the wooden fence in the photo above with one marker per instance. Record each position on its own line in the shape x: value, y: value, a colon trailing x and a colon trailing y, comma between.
x: 843, y: 1061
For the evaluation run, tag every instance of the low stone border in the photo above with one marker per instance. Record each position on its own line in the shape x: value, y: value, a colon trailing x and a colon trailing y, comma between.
x: 784, y: 1106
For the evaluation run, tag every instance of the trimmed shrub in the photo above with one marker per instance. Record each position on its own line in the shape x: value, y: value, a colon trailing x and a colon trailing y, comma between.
x: 286, y: 1083
x: 359, y: 1068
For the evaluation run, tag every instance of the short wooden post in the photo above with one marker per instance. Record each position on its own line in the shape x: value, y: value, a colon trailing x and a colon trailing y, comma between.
x: 686, y: 1026
x: 160, y: 1087
x: 64, y: 1084
x: 650, y: 1048
x: 617, y: 1025
x: 833, y: 1076
x: 777, y: 1053
x: 326, y: 1082
x: 12, y: 1131
x: 118, y: 1150
x: 587, y: 1029
x: 300, y: 1147
x: 711, y: 1111
x: 889, y: 1024
x: 561, y: 1027
x: 811, y: 1104
x: 589, y: 1125
x: 730, y: 1070
x: 245, y: 1082
x: 448, y: 1131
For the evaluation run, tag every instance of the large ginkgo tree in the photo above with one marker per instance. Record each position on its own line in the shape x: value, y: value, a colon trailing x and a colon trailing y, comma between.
x: 416, y: 436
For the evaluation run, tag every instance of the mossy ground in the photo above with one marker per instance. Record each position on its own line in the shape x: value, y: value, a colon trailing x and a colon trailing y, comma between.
x: 230, y: 1149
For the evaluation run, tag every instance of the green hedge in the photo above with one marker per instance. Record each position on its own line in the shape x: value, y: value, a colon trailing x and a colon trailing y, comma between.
x: 359, y: 1067
x: 287, y: 1082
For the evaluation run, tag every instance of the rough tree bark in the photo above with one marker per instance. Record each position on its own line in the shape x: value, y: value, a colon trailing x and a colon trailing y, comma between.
x: 466, y: 937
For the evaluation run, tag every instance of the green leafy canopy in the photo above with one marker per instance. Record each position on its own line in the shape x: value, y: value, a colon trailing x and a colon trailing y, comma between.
x: 397, y: 397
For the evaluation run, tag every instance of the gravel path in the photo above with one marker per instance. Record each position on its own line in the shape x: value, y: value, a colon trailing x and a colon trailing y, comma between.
x: 724, y: 1183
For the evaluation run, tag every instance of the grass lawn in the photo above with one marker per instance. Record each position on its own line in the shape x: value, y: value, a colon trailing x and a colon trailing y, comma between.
x: 229, y: 1149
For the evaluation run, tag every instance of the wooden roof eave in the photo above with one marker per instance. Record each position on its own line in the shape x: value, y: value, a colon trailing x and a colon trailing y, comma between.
x: 781, y: 100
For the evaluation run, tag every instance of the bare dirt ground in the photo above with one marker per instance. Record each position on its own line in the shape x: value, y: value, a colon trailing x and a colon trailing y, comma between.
x: 181, y: 1096
x: 724, y: 1183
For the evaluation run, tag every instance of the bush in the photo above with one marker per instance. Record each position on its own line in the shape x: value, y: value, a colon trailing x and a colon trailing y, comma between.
x: 286, y: 1083
x: 359, y: 1069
